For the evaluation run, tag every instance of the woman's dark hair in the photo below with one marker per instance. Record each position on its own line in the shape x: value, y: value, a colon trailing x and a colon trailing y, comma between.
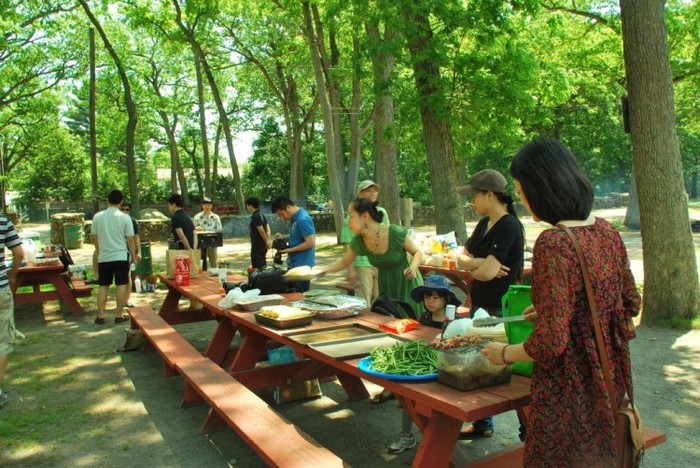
x: 552, y: 181
x: 363, y: 205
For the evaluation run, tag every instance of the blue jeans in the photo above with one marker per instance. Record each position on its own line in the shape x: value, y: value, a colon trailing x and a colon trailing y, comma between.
x: 485, y: 424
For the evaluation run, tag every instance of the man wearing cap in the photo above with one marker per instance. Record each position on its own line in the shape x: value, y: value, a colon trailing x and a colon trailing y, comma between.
x: 361, y: 274
x: 206, y: 221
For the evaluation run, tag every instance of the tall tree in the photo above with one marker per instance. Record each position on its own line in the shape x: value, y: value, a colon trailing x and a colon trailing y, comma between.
x: 437, y: 132
x: 189, y: 31
x: 128, y: 102
x: 670, y: 269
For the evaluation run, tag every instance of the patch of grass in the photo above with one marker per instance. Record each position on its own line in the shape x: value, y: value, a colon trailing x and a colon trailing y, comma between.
x: 675, y: 323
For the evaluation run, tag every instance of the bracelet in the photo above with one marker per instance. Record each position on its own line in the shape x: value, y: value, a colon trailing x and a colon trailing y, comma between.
x: 503, y: 355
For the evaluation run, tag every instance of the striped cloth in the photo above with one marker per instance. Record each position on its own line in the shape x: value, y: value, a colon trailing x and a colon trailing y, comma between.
x: 9, y: 239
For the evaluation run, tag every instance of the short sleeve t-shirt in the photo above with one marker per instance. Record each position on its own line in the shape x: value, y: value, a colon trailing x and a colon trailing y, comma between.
x: 112, y: 227
x: 182, y: 221
x: 9, y: 239
x: 301, y: 226
x: 505, y: 242
x: 257, y: 219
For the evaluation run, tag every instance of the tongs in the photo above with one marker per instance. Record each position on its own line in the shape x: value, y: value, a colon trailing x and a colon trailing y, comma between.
x: 491, y: 321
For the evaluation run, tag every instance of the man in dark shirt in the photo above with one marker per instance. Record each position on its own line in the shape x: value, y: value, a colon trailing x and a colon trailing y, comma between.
x: 260, y: 234
x: 181, y: 224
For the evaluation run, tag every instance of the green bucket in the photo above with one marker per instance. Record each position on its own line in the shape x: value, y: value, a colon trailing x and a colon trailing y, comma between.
x: 145, y: 266
x: 73, y: 235
x: 514, y: 302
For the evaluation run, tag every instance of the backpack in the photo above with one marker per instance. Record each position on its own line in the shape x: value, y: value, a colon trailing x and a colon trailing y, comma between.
x: 270, y: 280
x: 386, y: 305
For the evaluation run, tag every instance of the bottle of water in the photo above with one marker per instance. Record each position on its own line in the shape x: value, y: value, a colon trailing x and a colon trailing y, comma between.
x: 137, y: 284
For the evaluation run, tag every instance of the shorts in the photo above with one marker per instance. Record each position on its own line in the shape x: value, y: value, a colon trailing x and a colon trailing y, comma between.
x: 117, y: 272
x: 7, y: 321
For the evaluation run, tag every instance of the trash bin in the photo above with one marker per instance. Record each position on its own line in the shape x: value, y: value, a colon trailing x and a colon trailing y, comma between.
x: 73, y: 235
x: 145, y: 266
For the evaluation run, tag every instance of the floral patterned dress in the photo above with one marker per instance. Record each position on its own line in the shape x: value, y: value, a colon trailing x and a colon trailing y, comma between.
x: 571, y: 422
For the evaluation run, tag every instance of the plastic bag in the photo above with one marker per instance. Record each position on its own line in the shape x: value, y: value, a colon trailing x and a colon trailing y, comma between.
x: 235, y: 295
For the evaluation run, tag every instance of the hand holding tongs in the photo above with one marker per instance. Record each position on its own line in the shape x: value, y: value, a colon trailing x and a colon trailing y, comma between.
x: 491, y: 321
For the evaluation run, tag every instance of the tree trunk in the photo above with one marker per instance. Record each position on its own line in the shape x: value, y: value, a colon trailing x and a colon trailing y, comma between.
x: 437, y: 134
x: 223, y: 114
x: 335, y: 170
x: 670, y: 270
x: 203, y: 126
x: 130, y: 109
x: 385, y: 147
x: 632, y: 220
x: 93, y: 128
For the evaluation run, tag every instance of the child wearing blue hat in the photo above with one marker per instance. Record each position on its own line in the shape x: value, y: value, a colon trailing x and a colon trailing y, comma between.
x: 435, y: 294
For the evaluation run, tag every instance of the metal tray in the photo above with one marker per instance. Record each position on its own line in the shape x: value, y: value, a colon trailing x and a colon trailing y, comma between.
x: 289, y: 323
x: 356, y: 347
x: 339, y: 332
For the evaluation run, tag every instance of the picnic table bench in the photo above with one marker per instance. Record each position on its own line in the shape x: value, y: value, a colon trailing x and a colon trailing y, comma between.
x: 276, y: 440
x: 65, y: 290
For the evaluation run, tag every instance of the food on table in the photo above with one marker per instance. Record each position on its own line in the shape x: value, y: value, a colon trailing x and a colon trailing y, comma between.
x: 303, y: 271
x: 399, y: 326
x: 283, y: 312
x: 458, y: 341
x: 411, y: 358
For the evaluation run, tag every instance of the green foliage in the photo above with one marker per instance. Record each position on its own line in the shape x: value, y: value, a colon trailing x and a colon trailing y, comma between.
x: 267, y: 172
x: 59, y: 170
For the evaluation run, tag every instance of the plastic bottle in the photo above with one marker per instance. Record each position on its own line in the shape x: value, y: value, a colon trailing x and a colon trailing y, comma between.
x: 137, y: 284
x: 450, y: 312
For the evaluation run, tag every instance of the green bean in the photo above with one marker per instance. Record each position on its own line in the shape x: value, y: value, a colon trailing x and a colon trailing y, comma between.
x: 410, y: 358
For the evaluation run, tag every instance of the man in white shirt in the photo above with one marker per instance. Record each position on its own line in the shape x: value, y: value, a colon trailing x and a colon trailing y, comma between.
x: 113, y: 237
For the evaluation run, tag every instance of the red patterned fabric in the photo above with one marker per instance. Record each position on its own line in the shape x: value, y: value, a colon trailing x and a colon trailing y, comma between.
x: 571, y: 423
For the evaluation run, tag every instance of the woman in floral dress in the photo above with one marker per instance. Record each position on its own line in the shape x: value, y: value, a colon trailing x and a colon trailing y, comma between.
x: 571, y: 421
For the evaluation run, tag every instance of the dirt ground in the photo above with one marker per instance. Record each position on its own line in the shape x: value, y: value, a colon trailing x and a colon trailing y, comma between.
x: 77, y: 402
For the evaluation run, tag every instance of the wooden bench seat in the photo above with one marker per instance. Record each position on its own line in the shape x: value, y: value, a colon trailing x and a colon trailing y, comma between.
x: 512, y: 456
x: 276, y: 440
x: 165, y: 339
x: 80, y: 289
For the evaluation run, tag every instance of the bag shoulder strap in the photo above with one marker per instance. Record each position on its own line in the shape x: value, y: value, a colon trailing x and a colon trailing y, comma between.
x: 600, y: 344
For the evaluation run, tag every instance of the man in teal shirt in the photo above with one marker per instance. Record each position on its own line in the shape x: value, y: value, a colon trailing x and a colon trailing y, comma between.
x: 361, y: 274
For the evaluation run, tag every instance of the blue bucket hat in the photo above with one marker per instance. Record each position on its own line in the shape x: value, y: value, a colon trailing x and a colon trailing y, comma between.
x: 437, y: 283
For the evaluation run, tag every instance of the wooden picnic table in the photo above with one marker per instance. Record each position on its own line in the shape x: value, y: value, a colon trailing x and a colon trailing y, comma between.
x: 437, y: 410
x: 38, y: 275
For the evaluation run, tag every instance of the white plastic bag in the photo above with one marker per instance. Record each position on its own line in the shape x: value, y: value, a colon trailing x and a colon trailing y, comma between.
x: 30, y: 250
x: 235, y: 295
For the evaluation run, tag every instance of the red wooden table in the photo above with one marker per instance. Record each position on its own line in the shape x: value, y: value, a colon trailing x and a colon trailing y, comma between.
x: 38, y: 275
x: 437, y: 410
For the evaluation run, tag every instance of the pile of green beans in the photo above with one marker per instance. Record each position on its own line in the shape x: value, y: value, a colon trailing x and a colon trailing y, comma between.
x: 410, y: 358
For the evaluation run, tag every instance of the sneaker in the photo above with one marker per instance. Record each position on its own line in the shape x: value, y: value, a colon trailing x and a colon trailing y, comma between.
x: 405, y: 442
x: 4, y: 398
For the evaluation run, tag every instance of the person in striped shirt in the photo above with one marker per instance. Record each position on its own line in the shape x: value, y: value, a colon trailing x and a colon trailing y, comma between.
x: 9, y: 239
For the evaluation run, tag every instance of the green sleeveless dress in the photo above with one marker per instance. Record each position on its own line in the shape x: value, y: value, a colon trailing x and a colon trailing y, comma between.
x: 391, y: 265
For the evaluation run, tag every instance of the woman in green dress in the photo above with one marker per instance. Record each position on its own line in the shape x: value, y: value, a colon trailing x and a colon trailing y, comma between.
x: 386, y: 247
